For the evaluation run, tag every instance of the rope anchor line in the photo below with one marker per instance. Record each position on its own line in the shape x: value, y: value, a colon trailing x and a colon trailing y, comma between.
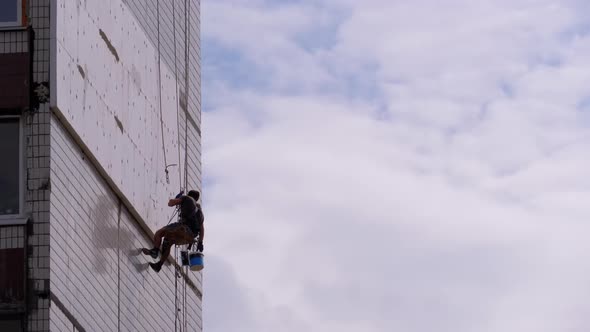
x: 180, y: 303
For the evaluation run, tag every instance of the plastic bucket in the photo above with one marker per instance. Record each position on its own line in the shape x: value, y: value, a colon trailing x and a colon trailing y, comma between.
x: 196, y: 261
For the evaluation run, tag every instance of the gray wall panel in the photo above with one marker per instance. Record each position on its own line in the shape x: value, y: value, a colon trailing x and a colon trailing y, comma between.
x: 97, y: 271
x: 107, y: 89
x: 97, y: 275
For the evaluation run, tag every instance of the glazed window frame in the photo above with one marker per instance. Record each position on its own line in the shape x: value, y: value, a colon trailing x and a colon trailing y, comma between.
x: 7, y: 217
x: 20, y: 16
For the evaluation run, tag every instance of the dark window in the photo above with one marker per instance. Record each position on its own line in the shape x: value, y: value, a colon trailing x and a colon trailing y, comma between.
x: 10, y: 13
x: 12, y: 278
x: 10, y: 324
x: 10, y: 175
x: 14, y: 80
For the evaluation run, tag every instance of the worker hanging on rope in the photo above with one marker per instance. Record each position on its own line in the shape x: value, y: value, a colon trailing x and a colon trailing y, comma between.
x: 184, y: 232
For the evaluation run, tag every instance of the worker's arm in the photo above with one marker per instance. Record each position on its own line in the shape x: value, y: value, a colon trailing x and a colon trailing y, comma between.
x: 202, y: 233
x: 200, y: 246
x: 174, y: 201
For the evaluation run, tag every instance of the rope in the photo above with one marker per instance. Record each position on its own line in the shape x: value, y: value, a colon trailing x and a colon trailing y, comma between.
x: 184, y: 300
x: 160, y: 94
x: 186, y: 85
x: 186, y: 93
x: 175, y: 212
x: 176, y: 309
x: 177, y: 101
x: 183, y: 319
x: 175, y: 290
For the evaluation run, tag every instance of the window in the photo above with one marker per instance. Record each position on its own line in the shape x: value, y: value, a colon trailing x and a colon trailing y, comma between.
x: 11, y: 13
x: 11, y: 191
x: 12, y: 278
x: 11, y: 323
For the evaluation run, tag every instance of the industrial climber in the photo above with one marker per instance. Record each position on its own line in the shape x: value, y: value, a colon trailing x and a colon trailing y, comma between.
x: 179, y: 233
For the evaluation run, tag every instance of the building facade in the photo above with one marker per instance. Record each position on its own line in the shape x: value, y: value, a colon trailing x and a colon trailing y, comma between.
x: 100, y: 113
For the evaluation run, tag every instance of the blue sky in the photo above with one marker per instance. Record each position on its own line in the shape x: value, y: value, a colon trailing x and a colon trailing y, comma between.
x: 389, y: 165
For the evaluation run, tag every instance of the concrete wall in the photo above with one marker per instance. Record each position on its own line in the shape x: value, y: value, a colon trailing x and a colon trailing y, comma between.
x: 107, y: 161
x: 187, y: 66
x: 97, y: 272
x: 86, y: 194
x: 38, y: 184
x: 111, y: 78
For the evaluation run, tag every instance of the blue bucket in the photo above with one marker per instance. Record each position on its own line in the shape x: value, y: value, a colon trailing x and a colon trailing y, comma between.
x: 196, y: 261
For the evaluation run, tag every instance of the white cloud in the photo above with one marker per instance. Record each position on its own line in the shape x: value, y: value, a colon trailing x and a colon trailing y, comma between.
x: 426, y: 169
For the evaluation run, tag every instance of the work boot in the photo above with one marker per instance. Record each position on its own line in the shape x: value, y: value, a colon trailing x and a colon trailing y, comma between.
x: 156, y: 266
x: 154, y: 252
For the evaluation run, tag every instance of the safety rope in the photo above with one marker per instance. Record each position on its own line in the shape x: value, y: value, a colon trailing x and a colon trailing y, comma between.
x: 176, y: 309
x: 160, y: 95
x: 186, y: 115
x: 174, y: 214
x: 164, y: 145
x: 187, y: 83
x: 175, y: 288
x: 184, y: 311
x: 186, y: 86
x: 183, y: 319
x: 177, y: 101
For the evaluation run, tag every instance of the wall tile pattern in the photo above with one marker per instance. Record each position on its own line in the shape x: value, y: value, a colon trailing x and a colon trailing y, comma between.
x: 106, y: 89
x: 38, y: 184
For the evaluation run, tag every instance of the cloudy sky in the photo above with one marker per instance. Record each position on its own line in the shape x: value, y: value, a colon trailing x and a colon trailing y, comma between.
x: 385, y: 165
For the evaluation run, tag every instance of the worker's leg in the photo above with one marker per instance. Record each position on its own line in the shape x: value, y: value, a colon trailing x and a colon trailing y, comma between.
x: 174, y: 234
x: 166, y: 246
x: 158, y: 237
x: 155, y: 251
